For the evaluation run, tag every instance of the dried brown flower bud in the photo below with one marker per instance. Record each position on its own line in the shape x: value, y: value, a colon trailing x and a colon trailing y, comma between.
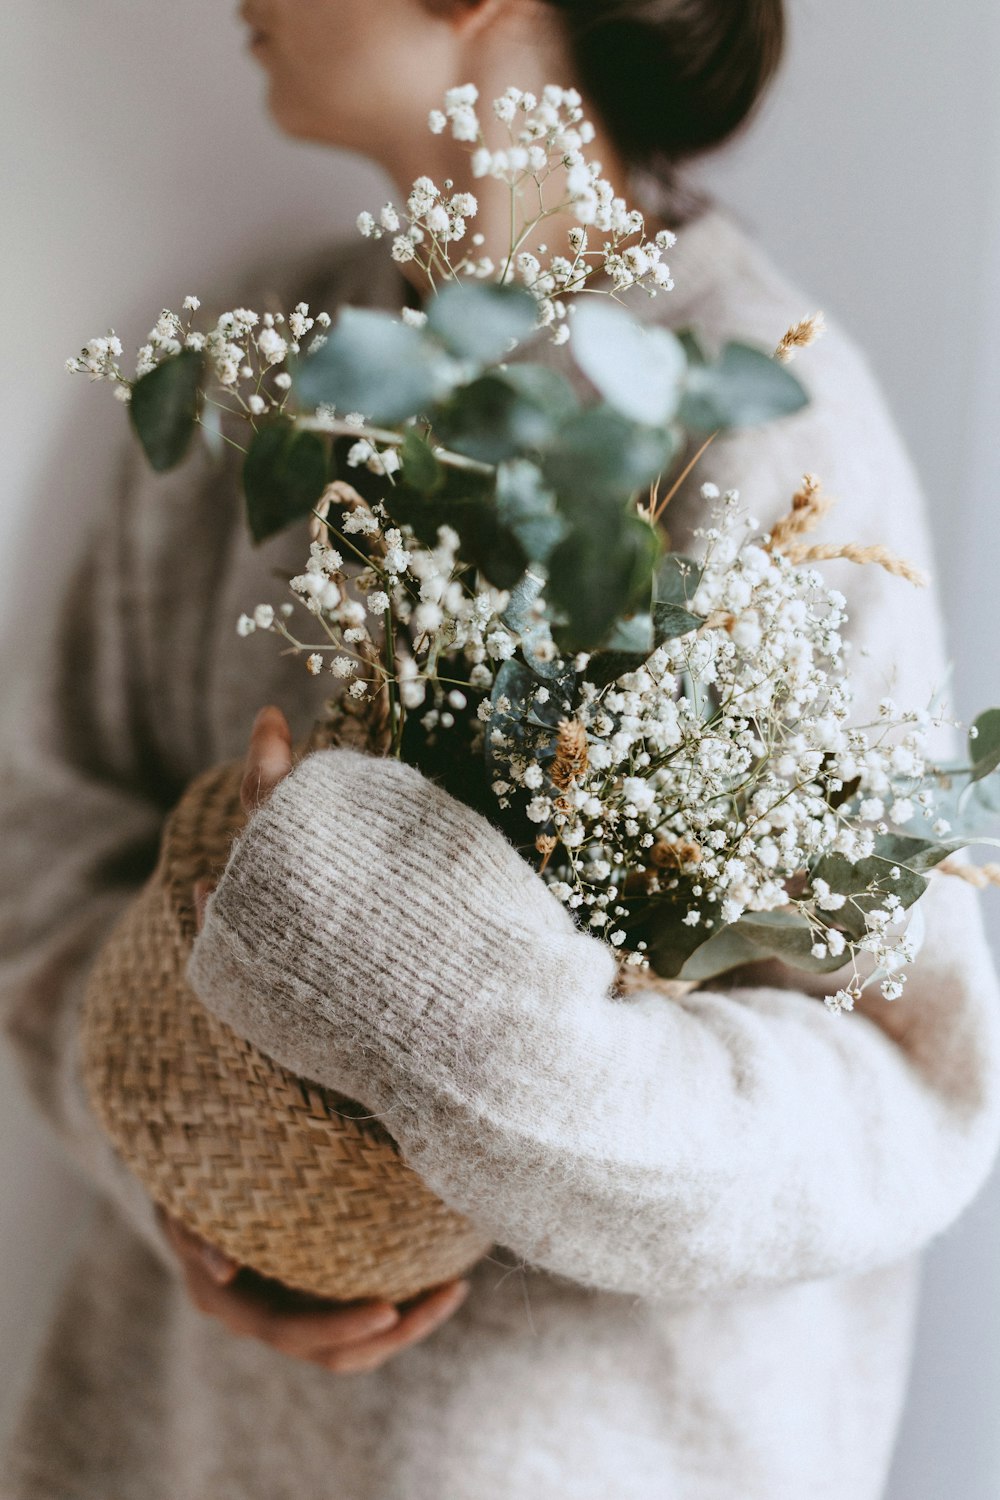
x: 571, y: 758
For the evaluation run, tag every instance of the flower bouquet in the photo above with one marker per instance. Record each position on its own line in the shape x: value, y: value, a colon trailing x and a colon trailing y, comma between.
x: 491, y: 590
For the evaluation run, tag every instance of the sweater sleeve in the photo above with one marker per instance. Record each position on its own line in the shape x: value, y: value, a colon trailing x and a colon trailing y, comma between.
x: 83, y: 790
x: 375, y: 935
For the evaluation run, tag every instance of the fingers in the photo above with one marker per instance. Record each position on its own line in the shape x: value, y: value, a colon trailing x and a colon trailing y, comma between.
x: 311, y: 1333
x: 269, y: 758
x: 196, y: 1252
x: 418, y: 1323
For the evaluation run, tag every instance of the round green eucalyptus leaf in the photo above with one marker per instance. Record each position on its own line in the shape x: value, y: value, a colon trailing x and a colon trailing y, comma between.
x: 492, y: 419
x: 481, y: 320
x: 420, y: 467
x: 527, y: 507
x: 984, y: 745
x: 375, y: 365
x: 600, y: 456
x: 867, y: 883
x: 284, y: 475
x: 164, y: 408
x: 597, y: 574
x: 638, y: 370
x: 759, y: 935
x: 742, y: 388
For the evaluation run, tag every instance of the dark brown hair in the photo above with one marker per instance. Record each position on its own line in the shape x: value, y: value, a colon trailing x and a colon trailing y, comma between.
x: 673, y: 78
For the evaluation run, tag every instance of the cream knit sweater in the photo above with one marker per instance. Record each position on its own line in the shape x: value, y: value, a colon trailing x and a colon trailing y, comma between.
x: 707, y: 1212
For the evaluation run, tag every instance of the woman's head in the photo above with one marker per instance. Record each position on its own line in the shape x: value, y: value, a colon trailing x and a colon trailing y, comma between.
x: 665, y: 79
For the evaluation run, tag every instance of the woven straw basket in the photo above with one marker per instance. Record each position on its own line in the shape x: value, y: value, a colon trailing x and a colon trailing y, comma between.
x: 281, y: 1174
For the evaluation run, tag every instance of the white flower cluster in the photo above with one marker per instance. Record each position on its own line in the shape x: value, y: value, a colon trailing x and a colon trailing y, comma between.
x: 543, y: 162
x: 245, y: 349
x: 722, y: 770
x: 438, y: 625
x: 434, y: 218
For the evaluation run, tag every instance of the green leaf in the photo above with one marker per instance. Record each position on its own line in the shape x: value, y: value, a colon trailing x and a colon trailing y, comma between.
x: 516, y: 683
x: 372, y: 364
x: 599, y: 573
x: 757, y: 936
x: 633, y: 635
x: 164, y: 408
x: 547, y: 389
x: 464, y: 502
x: 984, y: 746
x: 719, y: 953
x: 284, y: 474
x: 673, y: 620
x: 742, y: 388
x: 984, y: 795
x: 607, y: 666
x: 527, y: 507
x: 495, y: 418
x: 420, y: 467
x: 601, y: 457
x: 518, y: 614
x: 866, y: 883
x: 638, y: 370
x: 917, y: 854
x: 481, y: 320
x: 671, y: 942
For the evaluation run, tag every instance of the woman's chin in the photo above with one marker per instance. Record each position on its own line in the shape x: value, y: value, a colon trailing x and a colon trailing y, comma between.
x: 287, y: 113
x: 293, y: 117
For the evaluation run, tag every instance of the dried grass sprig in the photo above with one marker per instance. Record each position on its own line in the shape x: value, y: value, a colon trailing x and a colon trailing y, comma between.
x: 854, y: 552
x: 657, y: 510
x: 800, y: 336
x: 809, y: 506
x: 571, y: 759
x: 980, y: 876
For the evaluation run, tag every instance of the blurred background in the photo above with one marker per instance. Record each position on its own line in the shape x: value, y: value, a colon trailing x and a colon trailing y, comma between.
x: 139, y: 166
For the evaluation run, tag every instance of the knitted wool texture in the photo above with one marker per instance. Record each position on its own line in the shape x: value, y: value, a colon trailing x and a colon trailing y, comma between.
x: 707, y: 1211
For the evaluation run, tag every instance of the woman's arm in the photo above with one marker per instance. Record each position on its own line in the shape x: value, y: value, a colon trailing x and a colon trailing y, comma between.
x: 83, y: 794
x: 372, y: 933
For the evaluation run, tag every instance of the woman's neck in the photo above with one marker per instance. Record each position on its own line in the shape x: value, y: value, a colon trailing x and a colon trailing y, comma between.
x: 524, y: 47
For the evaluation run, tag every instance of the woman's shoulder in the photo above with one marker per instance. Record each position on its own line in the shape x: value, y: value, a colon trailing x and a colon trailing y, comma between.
x: 729, y: 287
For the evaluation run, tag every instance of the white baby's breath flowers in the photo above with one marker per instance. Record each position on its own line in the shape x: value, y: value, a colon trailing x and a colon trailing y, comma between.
x: 541, y: 157
x: 719, y: 772
x: 244, y: 351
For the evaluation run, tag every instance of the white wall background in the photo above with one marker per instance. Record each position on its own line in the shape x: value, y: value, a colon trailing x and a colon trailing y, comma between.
x: 138, y: 167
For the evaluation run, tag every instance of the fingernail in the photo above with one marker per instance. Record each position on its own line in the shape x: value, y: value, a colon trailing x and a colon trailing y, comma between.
x: 384, y: 1319
x: 219, y: 1266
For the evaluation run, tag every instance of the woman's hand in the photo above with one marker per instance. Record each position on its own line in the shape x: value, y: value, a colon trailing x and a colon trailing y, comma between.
x: 347, y: 1338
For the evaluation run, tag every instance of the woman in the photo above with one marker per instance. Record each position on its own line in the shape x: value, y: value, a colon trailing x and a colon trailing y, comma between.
x: 709, y: 1211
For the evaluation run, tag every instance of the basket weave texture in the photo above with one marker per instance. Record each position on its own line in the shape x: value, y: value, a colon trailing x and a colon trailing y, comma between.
x: 281, y: 1174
